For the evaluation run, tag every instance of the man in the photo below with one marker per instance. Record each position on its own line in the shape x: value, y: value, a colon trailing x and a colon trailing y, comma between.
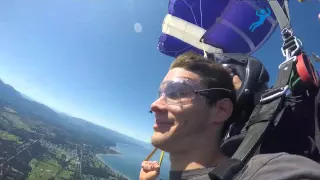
x: 195, y: 102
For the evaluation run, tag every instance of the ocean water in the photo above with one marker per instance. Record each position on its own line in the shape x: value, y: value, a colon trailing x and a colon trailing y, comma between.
x: 129, y: 161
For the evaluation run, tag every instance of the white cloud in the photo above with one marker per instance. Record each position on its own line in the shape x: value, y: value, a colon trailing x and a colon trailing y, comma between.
x: 138, y: 27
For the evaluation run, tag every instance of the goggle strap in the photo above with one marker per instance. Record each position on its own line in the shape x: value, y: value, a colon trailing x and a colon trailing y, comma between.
x: 203, y: 90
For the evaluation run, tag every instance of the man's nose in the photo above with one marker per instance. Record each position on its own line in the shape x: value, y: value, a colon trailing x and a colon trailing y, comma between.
x: 158, y: 105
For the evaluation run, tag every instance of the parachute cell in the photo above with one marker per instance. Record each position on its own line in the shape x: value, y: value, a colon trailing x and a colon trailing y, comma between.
x: 216, y: 26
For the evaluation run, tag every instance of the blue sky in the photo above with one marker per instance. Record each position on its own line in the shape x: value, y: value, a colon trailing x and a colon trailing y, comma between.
x: 84, y: 57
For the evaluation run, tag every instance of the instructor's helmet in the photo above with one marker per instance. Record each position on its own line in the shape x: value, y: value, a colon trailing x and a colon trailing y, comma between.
x: 255, y: 80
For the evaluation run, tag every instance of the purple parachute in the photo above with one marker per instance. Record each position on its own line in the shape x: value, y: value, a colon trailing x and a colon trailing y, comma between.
x: 223, y: 25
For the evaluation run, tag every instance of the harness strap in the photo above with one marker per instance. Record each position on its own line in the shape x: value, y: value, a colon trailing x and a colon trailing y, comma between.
x: 286, y: 6
x: 281, y: 14
x: 264, y: 115
x: 260, y: 121
x: 263, y: 119
x: 271, y: 102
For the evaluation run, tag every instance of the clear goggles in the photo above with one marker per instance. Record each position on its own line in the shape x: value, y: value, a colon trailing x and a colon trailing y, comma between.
x: 181, y: 91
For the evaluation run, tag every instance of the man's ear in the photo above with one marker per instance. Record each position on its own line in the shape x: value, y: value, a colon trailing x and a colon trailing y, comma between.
x: 222, y: 111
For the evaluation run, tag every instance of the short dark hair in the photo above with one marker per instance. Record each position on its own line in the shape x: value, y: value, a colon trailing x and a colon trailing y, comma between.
x: 214, y: 75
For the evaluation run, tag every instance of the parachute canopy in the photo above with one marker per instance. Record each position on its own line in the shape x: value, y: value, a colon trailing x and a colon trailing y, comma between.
x: 228, y: 26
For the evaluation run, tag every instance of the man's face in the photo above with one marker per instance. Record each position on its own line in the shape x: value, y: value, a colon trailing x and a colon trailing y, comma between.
x: 179, y: 124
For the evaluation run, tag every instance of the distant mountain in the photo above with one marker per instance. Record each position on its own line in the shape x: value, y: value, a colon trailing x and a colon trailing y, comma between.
x: 30, y: 108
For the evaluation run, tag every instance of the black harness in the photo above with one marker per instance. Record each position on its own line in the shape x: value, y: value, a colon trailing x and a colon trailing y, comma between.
x: 296, y: 77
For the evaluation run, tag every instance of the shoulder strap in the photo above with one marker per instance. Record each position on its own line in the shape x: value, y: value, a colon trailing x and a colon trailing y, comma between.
x: 264, y: 114
x: 271, y: 103
x: 261, y: 120
x: 317, y: 121
x: 281, y: 14
x: 226, y: 170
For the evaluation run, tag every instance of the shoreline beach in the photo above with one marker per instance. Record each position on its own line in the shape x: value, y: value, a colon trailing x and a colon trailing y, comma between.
x: 112, y: 151
x: 109, y: 166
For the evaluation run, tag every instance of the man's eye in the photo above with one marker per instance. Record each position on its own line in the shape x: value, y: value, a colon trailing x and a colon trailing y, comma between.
x: 176, y: 95
x: 173, y: 95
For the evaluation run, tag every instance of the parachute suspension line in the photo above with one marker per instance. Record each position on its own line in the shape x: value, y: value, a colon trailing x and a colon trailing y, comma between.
x: 161, y: 158
x: 201, y: 13
x: 152, y: 153
x: 205, y: 55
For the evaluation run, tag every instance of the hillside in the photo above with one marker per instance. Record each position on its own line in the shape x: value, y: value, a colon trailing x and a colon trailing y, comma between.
x: 38, y: 143
x: 26, y: 107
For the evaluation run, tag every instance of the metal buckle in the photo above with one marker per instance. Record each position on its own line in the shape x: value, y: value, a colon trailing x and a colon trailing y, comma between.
x: 227, y: 136
x: 287, y: 52
x: 274, y: 94
x: 284, y: 63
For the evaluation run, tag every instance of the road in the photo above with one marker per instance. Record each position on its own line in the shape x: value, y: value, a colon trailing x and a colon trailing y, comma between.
x: 25, y: 148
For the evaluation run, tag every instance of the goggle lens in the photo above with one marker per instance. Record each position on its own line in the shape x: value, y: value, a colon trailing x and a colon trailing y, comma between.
x: 183, y: 91
x: 177, y: 92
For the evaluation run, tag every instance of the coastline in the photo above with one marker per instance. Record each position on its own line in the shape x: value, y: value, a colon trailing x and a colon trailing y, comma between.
x: 112, y: 151
x: 110, y: 167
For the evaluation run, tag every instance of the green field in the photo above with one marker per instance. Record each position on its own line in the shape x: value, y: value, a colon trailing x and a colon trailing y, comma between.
x: 16, y: 120
x: 51, y: 168
x: 10, y: 137
x: 43, y: 170
x: 65, y: 175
